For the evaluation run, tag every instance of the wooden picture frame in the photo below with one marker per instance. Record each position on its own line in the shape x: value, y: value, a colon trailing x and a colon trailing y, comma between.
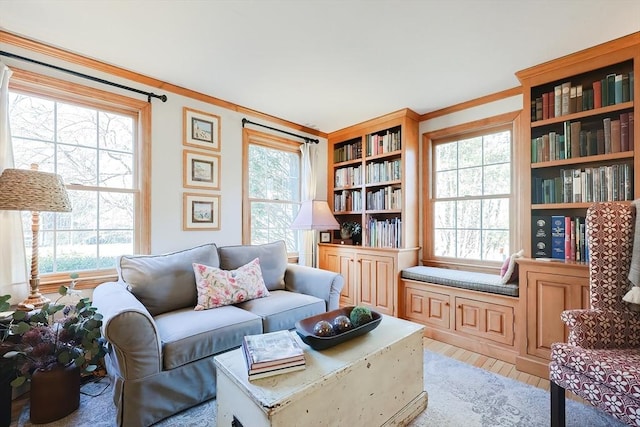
x: 325, y: 237
x: 200, y: 170
x: 200, y: 129
x: 200, y: 211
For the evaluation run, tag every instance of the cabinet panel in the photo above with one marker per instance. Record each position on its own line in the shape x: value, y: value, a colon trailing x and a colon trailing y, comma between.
x: 548, y: 295
x: 429, y: 308
x: 370, y: 274
x: 491, y: 321
x: 376, y: 282
x: 342, y: 262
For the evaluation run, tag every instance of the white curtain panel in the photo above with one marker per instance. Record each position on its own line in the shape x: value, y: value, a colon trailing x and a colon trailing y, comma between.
x: 307, y: 237
x: 13, y: 264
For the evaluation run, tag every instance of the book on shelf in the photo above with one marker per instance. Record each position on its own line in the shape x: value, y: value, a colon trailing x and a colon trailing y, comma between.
x: 615, y: 136
x: 559, y: 237
x: 557, y: 101
x: 624, y: 132
x: 541, y: 236
x: 597, y: 94
x: 272, y: 353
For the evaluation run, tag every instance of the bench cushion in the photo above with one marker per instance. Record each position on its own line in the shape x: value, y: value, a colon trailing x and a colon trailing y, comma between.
x: 474, y: 281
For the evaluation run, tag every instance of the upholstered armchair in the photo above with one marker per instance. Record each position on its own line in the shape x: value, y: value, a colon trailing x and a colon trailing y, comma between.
x: 601, y: 360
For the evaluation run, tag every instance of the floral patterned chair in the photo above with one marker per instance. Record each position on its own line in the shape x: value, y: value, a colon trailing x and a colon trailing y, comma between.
x: 601, y: 361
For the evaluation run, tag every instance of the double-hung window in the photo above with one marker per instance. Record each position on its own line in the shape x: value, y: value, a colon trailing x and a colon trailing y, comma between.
x: 272, y: 168
x: 93, y: 140
x: 472, y: 195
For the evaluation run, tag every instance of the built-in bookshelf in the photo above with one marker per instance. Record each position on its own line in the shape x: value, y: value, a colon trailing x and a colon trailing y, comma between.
x: 580, y: 132
x: 366, y: 179
x: 578, y: 146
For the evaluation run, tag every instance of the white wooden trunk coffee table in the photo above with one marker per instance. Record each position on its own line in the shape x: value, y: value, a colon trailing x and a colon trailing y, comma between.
x: 372, y: 380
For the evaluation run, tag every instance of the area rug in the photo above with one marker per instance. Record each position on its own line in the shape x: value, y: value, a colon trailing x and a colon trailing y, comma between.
x: 459, y: 395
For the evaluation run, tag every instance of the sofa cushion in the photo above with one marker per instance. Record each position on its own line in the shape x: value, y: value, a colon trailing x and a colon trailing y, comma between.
x: 165, y: 282
x: 189, y: 335
x: 273, y: 260
x: 282, y: 309
x: 217, y: 287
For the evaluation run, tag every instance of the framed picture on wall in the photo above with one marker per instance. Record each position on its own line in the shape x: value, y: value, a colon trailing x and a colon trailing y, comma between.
x: 201, y: 129
x: 200, y: 170
x: 200, y: 211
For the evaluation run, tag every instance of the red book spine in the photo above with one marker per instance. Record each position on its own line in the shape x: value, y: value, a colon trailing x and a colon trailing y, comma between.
x: 545, y: 106
x: 552, y: 105
x: 597, y: 94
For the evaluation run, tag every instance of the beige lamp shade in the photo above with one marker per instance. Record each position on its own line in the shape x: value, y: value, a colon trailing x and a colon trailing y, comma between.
x: 315, y: 215
x: 30, y: 190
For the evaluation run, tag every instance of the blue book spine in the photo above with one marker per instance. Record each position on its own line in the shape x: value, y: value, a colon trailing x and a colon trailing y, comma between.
x: 557, y: 237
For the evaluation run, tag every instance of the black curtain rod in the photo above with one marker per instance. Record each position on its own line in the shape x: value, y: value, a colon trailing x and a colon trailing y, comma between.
x: 306, y: 139
x: 150, y: 95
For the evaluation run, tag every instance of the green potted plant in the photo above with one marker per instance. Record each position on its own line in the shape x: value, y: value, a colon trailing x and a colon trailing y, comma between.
x: 53, y: 346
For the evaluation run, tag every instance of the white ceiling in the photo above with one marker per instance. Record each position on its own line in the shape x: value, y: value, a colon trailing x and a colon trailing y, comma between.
x: 326, y: 63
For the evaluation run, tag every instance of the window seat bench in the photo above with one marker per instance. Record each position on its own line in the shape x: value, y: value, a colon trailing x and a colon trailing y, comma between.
x: 471, y: 280
x: 483, y: 315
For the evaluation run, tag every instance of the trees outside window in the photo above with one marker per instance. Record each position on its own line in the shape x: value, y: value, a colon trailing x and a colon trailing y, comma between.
x: 471, y: 196
x: 272, y: 173
x: 96, y: 147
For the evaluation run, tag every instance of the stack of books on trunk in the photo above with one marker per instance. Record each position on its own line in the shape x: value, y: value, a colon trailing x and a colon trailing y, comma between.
x: 272, y: 353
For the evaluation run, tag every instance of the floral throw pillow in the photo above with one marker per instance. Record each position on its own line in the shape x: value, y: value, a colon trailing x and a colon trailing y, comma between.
x: 217, y: 287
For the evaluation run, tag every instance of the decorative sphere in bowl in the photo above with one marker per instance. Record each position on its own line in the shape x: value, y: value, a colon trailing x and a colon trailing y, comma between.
x: 341, y: 324
x: 323, y: 329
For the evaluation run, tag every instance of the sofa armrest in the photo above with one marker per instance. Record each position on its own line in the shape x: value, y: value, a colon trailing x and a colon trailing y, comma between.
x: 597, y: 329
x: 322, y: 284
x: 136, y: 350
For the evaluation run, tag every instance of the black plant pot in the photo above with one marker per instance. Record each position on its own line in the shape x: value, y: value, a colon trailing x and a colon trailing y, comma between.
x: 5, y: 400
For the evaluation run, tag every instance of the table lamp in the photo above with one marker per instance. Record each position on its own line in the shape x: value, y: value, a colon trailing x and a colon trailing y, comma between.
x: 315, y: 215
x: 31, y: 190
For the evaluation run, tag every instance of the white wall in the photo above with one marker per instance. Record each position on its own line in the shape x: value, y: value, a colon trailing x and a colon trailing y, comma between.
x: 166, y: 173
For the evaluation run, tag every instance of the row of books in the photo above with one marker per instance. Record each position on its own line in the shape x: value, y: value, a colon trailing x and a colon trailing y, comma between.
x: 385, y: 198
x: 349, y: 176
x: 568, y: 99
x: 347, y: 152
x: 348, y: 200
x: 272, y: 353
x: 385, y: 171
x: 585, y: 139
x: 598, y: 184
x: 559, y: 237
x: 384, y: 233
x: 380, y: 143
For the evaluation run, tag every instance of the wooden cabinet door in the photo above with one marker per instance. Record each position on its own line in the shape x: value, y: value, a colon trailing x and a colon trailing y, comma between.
x: 486, y: 320
x: 375, y: 282
x: 548, y: 295
x: 341, y: 261
x: 429, y: 308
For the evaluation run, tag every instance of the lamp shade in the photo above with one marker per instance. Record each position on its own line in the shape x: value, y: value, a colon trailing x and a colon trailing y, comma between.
x: 315, y: 215
x: 31, y: 190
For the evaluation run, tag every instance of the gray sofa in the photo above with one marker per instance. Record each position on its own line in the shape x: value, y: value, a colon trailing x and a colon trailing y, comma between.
x: 161, y: 358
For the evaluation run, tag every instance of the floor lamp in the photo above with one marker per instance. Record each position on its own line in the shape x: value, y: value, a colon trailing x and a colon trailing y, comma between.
x: 314, y: 215
x: 31, y: 190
